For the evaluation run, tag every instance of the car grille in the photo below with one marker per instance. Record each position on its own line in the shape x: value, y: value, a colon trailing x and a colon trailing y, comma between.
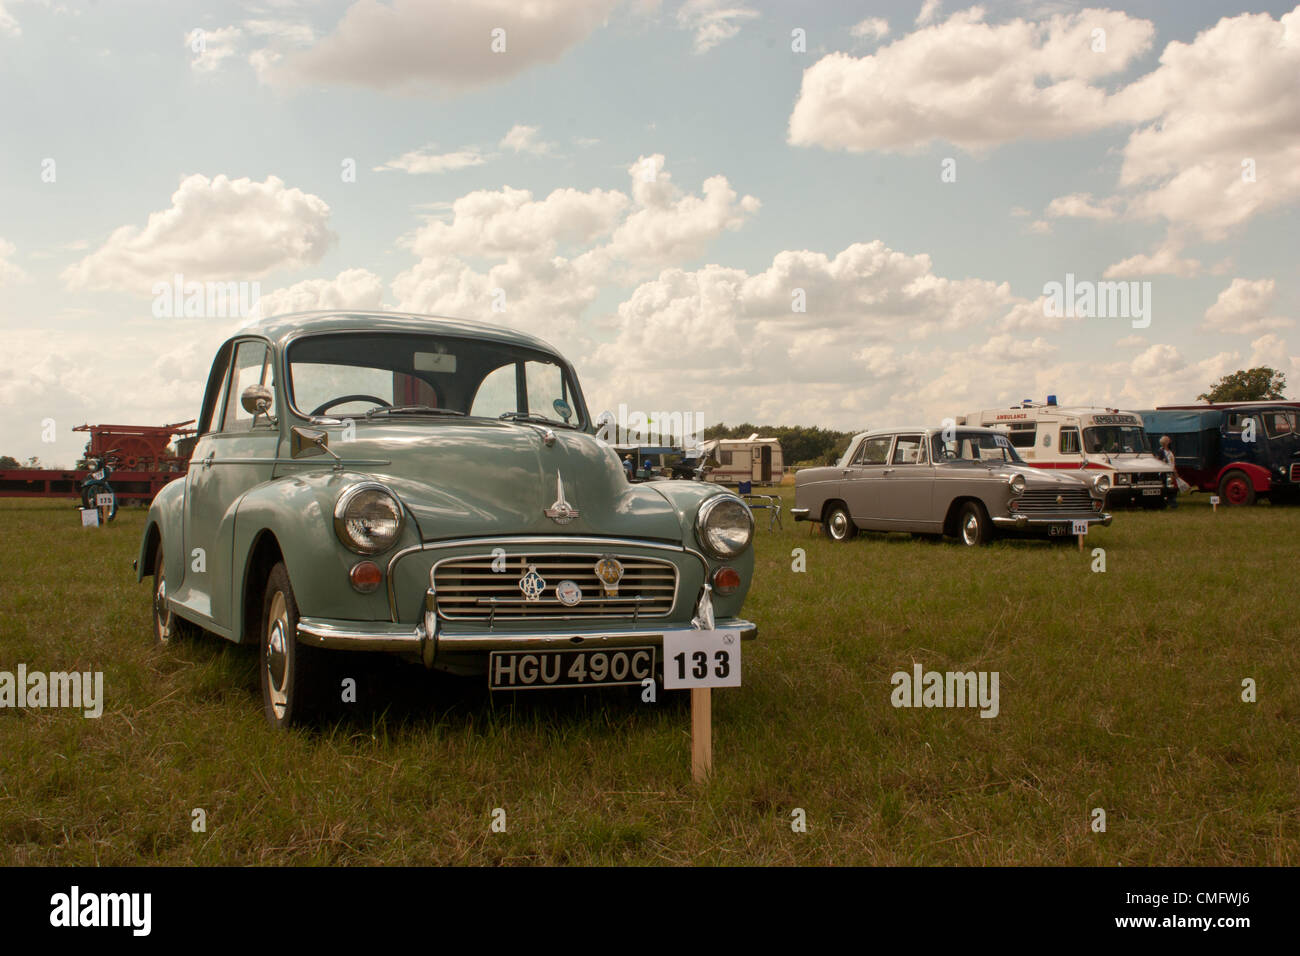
x: 1149, y: 478
x: 1043, y: 501
x: 468, y: 589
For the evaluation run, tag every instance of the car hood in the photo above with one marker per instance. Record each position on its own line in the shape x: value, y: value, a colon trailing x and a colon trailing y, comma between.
x: 476, y: 479
x: 1034, y: 477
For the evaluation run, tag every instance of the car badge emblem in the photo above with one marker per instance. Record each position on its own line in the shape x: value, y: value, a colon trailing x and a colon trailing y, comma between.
x: 561, y: 512
x: 1060, y: 499
x: 532, y: 583
x: 609, y: 571
x: 569, y: 593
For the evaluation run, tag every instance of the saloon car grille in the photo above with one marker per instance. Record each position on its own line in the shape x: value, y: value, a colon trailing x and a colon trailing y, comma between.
x: 1041, y: 501
x: 468, y: 589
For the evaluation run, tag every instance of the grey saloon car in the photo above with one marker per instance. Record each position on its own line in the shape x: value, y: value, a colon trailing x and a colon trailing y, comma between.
x: 964, y: 482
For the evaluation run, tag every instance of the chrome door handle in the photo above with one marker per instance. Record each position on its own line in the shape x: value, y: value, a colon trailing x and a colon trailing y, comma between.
x: 888, y: 471
x: 207, y: 462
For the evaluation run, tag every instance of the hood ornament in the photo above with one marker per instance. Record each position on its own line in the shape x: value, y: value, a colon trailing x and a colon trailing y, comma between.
x: 561, y: 512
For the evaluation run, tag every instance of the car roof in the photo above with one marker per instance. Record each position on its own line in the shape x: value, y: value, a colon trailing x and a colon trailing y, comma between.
x: 280, y: 328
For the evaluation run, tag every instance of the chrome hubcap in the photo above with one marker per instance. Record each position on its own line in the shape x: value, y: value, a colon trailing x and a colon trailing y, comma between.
x: 839, y: 525
x: 277, y: 655
x: 970, y: 529
x: 162, y: 616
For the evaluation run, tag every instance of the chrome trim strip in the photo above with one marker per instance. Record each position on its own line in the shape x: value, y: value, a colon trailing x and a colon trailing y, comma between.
x: 480, y: 641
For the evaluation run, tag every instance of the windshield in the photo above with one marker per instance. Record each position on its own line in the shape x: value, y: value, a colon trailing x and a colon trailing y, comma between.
x: 972, y: 446
x: 433, y: 377
x: 1115, y: 440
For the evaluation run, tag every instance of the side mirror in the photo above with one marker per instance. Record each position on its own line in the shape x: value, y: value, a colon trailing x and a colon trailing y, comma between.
x: 257, y: 400
x: 306, y: 442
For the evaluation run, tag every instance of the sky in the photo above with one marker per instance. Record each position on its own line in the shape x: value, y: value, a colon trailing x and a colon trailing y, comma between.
x: 850, y: 215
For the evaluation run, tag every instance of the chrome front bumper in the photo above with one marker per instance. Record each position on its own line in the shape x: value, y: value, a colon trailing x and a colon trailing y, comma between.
x: 386, y: 636
x: 1025, y: 521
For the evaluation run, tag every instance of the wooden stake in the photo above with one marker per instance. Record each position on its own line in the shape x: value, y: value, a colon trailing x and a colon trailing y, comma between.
x: 1080, y: 537
x: 701, y: 733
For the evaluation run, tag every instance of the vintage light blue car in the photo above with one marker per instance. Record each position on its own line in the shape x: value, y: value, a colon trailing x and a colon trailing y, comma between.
x: 432, y: 488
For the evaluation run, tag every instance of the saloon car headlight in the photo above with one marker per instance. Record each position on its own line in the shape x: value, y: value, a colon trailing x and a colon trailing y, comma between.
x: 724, y: 526
x: 1101, y: 483
x: 367, y: 518
x: 1017, y: 483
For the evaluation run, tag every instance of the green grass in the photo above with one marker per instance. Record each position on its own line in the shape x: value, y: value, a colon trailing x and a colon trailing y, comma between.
x: 1119, y: 690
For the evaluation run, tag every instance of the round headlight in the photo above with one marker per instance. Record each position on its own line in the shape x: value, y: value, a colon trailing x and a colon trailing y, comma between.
x: 724, y: 526
x: 367, y: 518
x: 1017, y: 483
x: 1102, y: 484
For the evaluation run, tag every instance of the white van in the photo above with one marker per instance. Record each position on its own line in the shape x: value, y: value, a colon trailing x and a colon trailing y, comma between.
x: 1086, y: 438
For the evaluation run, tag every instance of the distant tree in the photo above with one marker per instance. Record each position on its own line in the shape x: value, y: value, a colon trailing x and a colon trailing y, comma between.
x: 798, y: 443
x: 7, y: 461
x: 33, y: 462
x: 1247, y: 385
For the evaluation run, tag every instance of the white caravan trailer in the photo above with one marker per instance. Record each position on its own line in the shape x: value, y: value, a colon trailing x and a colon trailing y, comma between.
x: 1088, y: 438
x: 753, y: 459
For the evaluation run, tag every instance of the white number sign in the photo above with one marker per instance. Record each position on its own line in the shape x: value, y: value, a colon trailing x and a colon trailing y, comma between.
x: 701, y: 659
x: 1214, y: 499
x: 1079, y: 527
x: 103, y: 501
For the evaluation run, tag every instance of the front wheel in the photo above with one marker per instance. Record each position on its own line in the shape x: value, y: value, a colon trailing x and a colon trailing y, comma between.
x: 839, y: 524
x: 290, y: 671
x: 973, y: 525
x: 168, y: 627
x: 1236, y: 489
x: 91, y: 493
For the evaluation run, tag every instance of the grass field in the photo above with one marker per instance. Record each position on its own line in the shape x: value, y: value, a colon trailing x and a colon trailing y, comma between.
x: 1119, y: 690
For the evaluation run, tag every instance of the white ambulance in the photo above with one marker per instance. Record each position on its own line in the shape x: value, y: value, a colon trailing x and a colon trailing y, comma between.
x: 1086, y: 438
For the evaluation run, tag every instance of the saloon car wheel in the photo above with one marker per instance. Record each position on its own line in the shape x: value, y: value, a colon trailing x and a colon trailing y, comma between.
x: 168, y: 628
x: 973, y: 525
x: 839, y: 526
x: 288, y: 669
x: 1236, y: 489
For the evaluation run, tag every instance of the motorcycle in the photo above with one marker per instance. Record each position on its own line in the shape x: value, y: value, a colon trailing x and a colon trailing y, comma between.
x: 96, y: 483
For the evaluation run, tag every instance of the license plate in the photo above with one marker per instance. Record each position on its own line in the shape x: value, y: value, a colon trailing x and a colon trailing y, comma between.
x: 1059, y: 530
x: 1150, y: 491
x: 526, y: 670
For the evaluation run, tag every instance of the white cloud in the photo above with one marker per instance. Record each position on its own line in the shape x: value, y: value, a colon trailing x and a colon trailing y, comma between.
x: 350, y: 289
x: 872, y: 28
x: 1157, y: 360
x: 1230, y: 96
x: 413, y: 46
x: 1039, y: 227
x: 8, y: 25
x: 551, y: 257
x: 712, y: 22
x: 523, y: 139
x: 1082, y: 206
x: 9, y: 272
x: 425, y: 160
x: 970, y: 83
x: 1243, y: 308
x: 218, y: 228
x: 1165, y: 260
x: 929, y: 12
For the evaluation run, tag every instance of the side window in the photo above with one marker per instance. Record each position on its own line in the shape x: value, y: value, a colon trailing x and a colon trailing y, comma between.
x: 211, y: 414
x: 1023, y: 437
x: 724, y: 458
x: 1279, y: 423
x: 908, y: 450
x: 1237, y: 420
x: 875, y: 451
x: 1069, y: 441
x: 249, y: 369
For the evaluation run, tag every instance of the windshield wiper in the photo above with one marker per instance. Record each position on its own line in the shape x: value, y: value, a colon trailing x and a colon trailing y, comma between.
x: 413, y: 410
x: 529, y: 417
